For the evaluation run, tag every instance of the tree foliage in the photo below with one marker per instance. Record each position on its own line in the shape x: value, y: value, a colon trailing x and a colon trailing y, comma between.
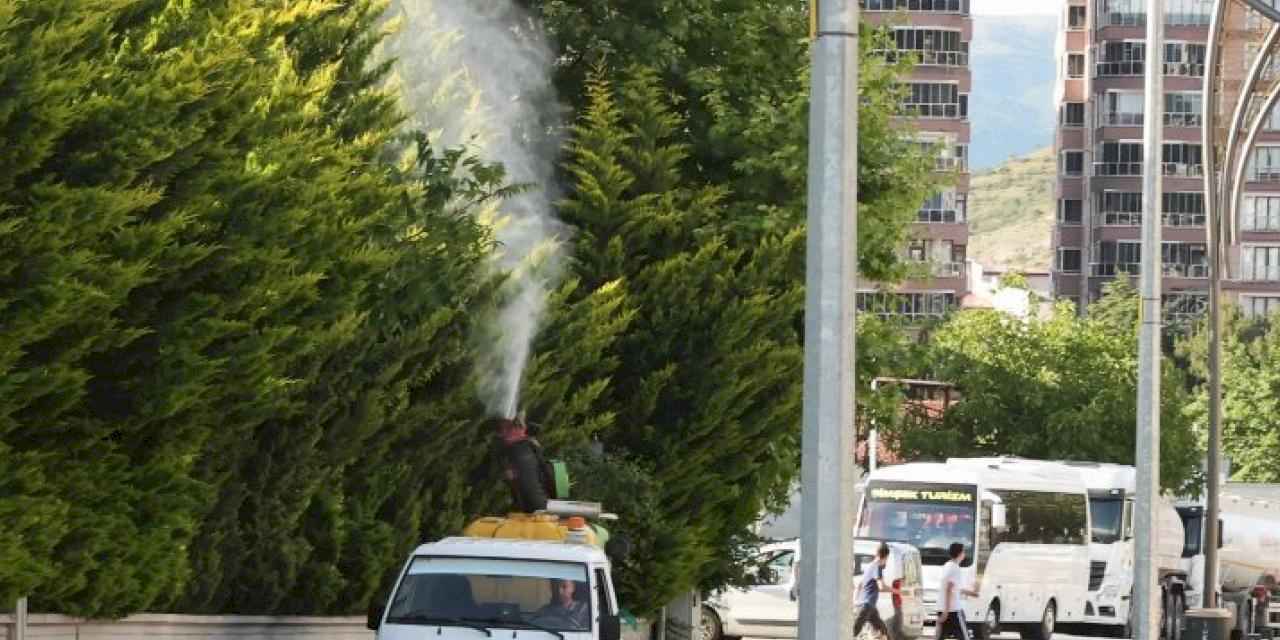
x: 1251, y: 392
x: 1059, y: 388
x: 241, y: 298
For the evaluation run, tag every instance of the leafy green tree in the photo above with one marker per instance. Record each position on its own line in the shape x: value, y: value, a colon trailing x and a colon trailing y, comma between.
x: 1251, y: 392
x: 738, y: 72
x: 222, y: 294
x: 706, y: 395
x: 1061, y: 388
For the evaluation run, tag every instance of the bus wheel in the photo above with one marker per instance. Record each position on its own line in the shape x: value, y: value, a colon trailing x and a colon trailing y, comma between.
x: 1044, y: 630
x: 991, y: 624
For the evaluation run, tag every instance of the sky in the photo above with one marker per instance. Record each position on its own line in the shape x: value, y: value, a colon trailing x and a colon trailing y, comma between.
x: 1012, y: 58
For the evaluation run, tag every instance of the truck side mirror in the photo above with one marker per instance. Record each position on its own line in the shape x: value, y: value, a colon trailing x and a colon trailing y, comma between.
x: 610, y: 627
x: 999, y: 517
x: 375, y: 616
x: 1220, y: 532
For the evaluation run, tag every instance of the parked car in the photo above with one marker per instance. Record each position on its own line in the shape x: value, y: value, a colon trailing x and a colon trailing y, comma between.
x: 769, y: 608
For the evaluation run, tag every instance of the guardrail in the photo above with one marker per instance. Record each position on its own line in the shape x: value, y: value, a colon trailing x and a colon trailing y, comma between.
x: 163, y: 626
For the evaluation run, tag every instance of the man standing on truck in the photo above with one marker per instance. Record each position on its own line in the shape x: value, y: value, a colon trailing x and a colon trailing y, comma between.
x: 951, y: 622
x: 524, y: 466
x: 869, y: 594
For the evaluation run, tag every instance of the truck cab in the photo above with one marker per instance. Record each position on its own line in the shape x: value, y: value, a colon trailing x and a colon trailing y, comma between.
x: 519, y: 589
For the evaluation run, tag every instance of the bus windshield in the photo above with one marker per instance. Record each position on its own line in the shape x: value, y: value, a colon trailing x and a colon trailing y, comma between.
x: 928, y: 516
x: 1107, y: 518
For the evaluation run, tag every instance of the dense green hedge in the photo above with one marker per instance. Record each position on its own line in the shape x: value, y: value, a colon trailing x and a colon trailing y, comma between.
x: 238, y: 303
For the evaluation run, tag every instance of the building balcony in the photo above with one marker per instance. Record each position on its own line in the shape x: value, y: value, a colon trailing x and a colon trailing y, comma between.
x: 1126, y: 169
x: 925, y: 57
x: 948, y: 165
x: 1134, y: 169
x: 1185, y: 120
x: 1190, y: 271
x: 1184, y: 270
x: 1184, y: 69
x: 1121, y: 69
x: 1113, y: 269
x: 1120, y: 119
x: 947, y: 110
x: 940, y: 216
x: 1134, y: 219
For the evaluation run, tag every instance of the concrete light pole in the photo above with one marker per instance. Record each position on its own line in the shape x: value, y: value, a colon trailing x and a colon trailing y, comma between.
x: 827, y: 468
x: 1146, y: 625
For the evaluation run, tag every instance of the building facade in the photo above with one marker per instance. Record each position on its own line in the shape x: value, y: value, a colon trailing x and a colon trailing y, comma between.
x: 937, y: 33
x: 1100, y: 106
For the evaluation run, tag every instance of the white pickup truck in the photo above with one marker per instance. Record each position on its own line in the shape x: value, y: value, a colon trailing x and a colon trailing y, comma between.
x: 539, y: 579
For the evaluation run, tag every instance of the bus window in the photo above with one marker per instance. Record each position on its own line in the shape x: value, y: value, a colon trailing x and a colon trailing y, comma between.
x: 1035, y: 517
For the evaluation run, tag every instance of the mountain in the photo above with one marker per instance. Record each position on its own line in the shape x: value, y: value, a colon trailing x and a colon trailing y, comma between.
x: 1011, y: 105
x: 1011, y: 213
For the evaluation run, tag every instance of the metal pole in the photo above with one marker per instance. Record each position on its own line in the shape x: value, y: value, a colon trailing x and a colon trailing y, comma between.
x: 873, y: 438
x: 826, y: 556
x: 20, y: 619
x: 1145, y: 588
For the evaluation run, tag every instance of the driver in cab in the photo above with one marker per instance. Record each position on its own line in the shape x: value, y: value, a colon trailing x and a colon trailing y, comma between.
x: 565, y: 604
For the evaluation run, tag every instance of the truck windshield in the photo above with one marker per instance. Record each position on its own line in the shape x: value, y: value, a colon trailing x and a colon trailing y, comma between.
x: 928, y: 516
x: 494, y: 592
x: 1107, y: 519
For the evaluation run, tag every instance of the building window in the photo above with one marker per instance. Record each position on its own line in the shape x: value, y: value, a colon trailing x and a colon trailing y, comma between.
x: 1183, y: 109
x: 1073, y: 114
x: 947, y: 207
x: 936, y: 6
x: 1184, y: 59
x: 936, y: 47
x: 1073, y: 163
x: 1075, y: 65
x: 1187, y: 13
x: 1071, y: 212
x: 1264, y: 164
x: 935, y: 100
x: 1122, y: 13
x: 1077, y: 17
x: 1260, y: 213
x: 1182, y: 307
x: 1273, y: 119
x: 1259, y: 263
x: 1120, y: 208
x: 1119, y: 159
x: 1185, y: 259
x: 1183, y: 160
x: 906, y: 306
x: 1121, y: 59
x: 1183, y: 208
x: 1259, y: 306
x: 1069, y: 260
x: 1122, y: 109
x: 1115, y: 257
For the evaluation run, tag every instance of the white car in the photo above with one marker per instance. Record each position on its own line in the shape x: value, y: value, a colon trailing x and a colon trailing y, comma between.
x: 769, y: 609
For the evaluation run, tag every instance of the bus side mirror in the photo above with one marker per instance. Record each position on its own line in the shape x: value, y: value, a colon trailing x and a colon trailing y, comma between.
x: 375, y: 616
x: 999, y: 517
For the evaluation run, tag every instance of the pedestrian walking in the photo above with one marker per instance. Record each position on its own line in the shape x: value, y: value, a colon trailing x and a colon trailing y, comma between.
x: 869, y: 594
x: 951, y: 622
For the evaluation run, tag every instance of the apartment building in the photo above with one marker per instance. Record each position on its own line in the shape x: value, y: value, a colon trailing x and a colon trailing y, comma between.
x: 937, y: 33
x: 1101, y: 61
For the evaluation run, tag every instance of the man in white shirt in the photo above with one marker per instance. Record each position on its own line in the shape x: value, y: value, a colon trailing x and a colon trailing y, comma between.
x: 951, y: 622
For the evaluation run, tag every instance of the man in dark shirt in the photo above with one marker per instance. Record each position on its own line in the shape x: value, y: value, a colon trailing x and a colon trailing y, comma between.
x: 869, y: 593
